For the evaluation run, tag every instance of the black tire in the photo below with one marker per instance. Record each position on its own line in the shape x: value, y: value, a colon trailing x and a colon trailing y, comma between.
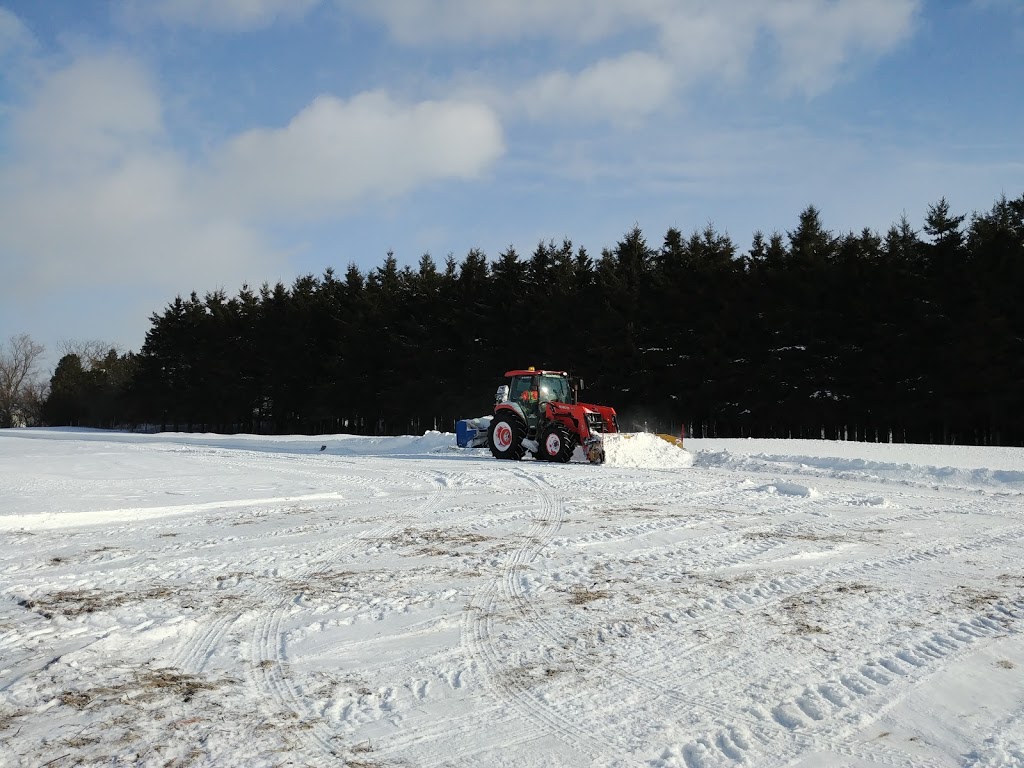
x: 505, y: 436
x: 556, y: 443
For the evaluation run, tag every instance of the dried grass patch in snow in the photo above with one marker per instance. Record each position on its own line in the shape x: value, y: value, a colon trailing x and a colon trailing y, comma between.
x: 76, y: 602
x: 806, y: 611
x: 975, y: 599
x: 144, y: 687
x: 581, y: 595
x: 834, y: 538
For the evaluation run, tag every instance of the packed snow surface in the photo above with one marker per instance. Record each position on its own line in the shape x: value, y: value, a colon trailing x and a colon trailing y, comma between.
x: 173, y: 600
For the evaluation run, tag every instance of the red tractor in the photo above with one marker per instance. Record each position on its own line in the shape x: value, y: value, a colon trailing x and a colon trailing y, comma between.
x: 538, y: 412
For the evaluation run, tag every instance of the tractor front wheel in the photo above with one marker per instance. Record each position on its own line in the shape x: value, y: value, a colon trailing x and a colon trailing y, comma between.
x: 556, y: 444
x: 505, y: 436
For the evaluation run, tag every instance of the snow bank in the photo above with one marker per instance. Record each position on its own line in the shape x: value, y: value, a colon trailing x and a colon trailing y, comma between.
x: 349, y: 445
x: 998, y: 469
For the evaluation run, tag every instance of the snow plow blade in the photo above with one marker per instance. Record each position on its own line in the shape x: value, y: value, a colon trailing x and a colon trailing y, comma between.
x: 676, y: 441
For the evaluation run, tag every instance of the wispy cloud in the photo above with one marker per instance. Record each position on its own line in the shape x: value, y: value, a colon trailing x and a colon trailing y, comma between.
x: 334, y: 152
x: 623, y: 88
x: 817, y: 40
x: 810, y: 42
x: 15, y: 37
x: 485, y: 22
x: 221, y: 14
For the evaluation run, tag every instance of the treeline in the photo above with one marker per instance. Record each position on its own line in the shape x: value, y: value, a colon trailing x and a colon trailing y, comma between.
x: 911, y: 336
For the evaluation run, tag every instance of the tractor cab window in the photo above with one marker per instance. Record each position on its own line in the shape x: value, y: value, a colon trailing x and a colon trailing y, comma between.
x: 554, y: 389
x: 520, y: 385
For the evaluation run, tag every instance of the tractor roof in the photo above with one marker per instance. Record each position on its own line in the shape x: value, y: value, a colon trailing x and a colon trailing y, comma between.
x: 532, y: 372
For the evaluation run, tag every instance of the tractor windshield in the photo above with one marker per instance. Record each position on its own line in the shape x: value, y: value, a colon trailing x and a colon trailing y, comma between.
x: 553, y: 389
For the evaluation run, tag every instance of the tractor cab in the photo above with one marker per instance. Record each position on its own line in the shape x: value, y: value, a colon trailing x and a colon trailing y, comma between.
x: 531, y: 390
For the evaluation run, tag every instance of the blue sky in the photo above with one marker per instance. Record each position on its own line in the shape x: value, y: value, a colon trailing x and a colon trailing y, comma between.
x: 150, y: 148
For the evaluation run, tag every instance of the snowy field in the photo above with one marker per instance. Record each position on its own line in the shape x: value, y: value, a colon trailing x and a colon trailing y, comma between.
x: 176, y: 600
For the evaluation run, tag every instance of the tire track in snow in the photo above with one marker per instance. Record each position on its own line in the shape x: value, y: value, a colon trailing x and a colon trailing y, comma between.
x: 708, y: 615
x: 806, y: 711
x: 268, y: 656
x: 757, y: 598
x: 506, y: 683
x: 814, y: 719
x: 204, y: 643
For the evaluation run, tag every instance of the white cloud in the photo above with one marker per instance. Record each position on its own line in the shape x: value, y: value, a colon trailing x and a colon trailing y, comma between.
x: 94, y: 111
x: 15, y: 37
x: 224, y: 14
x: 816, y: 38
x: 813, y: 40
x: 94, y: 193
x: 419, y: 22
x: 335, y: 152
x: 624, y: 88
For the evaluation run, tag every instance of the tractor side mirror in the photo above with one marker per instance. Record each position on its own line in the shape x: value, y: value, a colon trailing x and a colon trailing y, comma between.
x: 576, y: 384
x: 502, y: 394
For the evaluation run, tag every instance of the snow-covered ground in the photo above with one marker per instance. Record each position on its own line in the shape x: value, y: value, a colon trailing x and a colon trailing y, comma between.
x: 173, y: 600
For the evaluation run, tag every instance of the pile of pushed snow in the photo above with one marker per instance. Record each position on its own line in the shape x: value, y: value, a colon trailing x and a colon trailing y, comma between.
x: 644, y: 450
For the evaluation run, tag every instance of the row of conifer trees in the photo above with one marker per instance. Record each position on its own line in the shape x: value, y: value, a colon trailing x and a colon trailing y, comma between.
x: 908, y: 336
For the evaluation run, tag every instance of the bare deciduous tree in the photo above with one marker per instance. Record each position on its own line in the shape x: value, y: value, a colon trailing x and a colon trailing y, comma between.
x: 32, y: 401
x: 91, y: 352
x: 18, y: 363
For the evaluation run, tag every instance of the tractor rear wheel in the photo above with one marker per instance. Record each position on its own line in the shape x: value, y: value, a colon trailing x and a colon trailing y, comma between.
x: 556, y: 443
x: 505, y: 436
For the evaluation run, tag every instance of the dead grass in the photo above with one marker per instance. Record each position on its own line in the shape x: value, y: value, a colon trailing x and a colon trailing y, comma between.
x: 530, y: 674
x: 804, y: 610
x: 579, y: 595
x: 7, y: 719
x: 1006, y: 664
x: 856, y: 587
x: 175, y: 683
x: 144, y: 687
x: 78, y: 742
x: 319, y: 584
x: 975, y: 599
x: 832, y: 538
x: 798, y: 608
x: 357, y: 757
x: 727, y: 582
x: 76, y: 602
x: 647, y: 512
x: 436, y: 542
